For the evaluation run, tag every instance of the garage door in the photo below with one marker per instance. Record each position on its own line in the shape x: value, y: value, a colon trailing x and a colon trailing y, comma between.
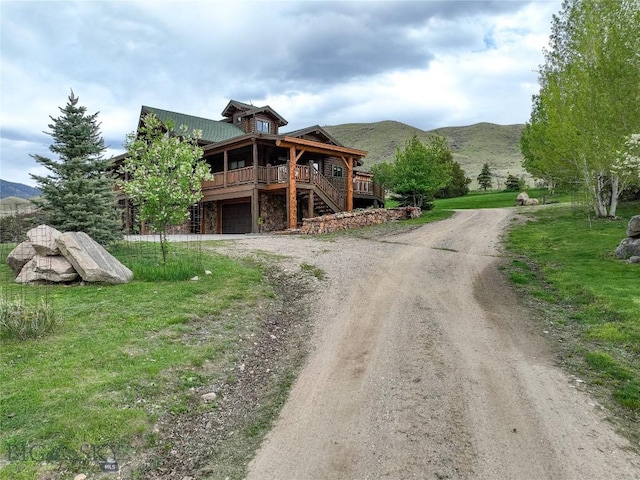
x: 236, y: 218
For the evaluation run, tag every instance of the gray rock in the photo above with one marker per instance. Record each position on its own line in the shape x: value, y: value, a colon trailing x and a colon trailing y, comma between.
x: 634, y: 260
x: 522, y: 198
x: 43, y: 240
x: 92, y: 262
x: 629, y: 247
x: 47, y: 268
x: 209, y: 397
x: 19, y: 256
x: 531, y: 201
x: 633, y: 229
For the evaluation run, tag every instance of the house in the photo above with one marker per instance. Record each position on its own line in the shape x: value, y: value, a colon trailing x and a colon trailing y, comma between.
x: 265, y: 180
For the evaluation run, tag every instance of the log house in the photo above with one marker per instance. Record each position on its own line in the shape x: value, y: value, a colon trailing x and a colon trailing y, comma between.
x: 265, y: 180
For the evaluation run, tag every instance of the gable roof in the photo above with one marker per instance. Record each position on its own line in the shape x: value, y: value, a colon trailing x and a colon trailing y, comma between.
x: 212, y: 130
x: 233, y: 107
x: 318, y: 130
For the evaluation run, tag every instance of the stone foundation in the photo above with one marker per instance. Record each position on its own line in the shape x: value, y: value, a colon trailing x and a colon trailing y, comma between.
x: 273, y: 212
x: 210, y: 212
x: 355, y: 219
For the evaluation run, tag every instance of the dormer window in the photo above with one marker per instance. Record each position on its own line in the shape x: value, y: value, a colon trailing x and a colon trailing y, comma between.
x: 263, y: 126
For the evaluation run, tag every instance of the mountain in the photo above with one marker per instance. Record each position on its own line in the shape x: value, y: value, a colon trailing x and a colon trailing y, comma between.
x: 10, y: 189
x: 472, y: 146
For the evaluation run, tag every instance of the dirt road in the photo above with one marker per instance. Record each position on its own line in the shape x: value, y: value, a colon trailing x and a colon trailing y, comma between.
x: 425, y: 366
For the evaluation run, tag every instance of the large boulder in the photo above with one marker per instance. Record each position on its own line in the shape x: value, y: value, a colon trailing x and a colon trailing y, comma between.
x: 629, y: 247
x: 47, y: 268
x: 531, y: 201
x: 92, y: 262
x: 633, y: 229
x: 522, y: 198
x: 20, y: 256
x: 43, y: 239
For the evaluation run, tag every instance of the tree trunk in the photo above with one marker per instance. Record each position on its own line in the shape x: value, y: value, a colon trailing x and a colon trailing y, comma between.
x: 163, y: 243
x: 615, y: 194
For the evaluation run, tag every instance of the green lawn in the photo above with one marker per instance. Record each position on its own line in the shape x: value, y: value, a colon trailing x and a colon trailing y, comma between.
x: 493, y: 199
x: 120, y: 356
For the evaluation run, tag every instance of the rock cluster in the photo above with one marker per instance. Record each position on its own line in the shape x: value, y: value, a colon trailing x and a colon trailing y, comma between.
x: 629, y: 248
x: 51, y: 256
x: 354, y: 219
x: 523, y: 200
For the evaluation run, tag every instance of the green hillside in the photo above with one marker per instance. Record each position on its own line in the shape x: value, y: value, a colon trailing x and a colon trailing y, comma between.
x: 498, y: 145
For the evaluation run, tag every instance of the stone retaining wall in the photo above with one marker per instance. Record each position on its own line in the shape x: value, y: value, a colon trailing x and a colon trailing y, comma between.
x: 355, y: 219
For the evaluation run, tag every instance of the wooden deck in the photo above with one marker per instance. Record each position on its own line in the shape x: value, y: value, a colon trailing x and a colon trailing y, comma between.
x: 278, y: 177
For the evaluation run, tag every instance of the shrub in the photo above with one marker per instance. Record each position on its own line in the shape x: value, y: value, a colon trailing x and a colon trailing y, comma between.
x: 20, y: 320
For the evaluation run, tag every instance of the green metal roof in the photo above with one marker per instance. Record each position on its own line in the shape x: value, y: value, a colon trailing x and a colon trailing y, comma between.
x: 212, y: 130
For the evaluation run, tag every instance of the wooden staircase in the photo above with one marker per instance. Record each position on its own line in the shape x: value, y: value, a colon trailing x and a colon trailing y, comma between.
x: 320, y: 207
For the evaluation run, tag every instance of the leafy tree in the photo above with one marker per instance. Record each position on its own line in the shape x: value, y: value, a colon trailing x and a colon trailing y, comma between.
x: 587, y: 105
x: 458, y: 186
x: 484, y: 179
x: 513, y: 184
x: 164, y: 174
x: 418, y: 171
x: 79, y: 193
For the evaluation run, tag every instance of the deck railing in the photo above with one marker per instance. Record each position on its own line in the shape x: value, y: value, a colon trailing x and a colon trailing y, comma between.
x: 334, y: 188
x: 325, y: 186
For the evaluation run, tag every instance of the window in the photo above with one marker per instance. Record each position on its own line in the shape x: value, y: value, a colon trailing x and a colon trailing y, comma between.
x: 235, y: 164
x: 263, y: 126
x: 337, y: 171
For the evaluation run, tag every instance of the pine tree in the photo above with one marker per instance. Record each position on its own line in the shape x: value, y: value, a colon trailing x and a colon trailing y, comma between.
x: 78, y: 194
x: 513, y: 184
x: 484, y: 179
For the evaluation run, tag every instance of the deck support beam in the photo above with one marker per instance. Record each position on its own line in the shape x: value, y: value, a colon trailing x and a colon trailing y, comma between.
x: 225, y: 169
x: 350, y: 184
x: 311, y: 204
x: 293, y: 204
x: 255, y: 211
x: 255, y: 162
x: 348, y: 162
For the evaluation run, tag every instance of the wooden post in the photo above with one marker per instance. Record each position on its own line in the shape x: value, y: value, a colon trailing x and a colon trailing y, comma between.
x: 255, y: 162
x: 225, y: 157
x: 310, y: 205
x: 255, y: 211
x: 293, y: 204
x: 350, y: 184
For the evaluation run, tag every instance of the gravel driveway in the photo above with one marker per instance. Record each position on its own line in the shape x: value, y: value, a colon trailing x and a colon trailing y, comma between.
x: 424, y: 365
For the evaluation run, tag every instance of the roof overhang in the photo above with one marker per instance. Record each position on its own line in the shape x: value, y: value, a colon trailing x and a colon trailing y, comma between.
x: 318, y: 147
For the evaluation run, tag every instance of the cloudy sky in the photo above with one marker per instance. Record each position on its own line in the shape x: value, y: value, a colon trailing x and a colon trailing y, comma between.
x: 429, y: 64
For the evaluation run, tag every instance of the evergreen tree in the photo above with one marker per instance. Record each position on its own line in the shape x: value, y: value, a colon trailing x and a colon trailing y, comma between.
x: 79, y: 193
x: 458, y: 186
x: 484, y: 179
x: 513, y: 184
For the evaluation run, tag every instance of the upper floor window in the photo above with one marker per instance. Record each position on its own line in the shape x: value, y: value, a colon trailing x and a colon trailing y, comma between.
x: 337, y: 171
x: 263, y: 126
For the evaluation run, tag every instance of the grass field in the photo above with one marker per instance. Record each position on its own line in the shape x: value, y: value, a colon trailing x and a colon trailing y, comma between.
x: 122, y: 356
x: 495, y: 199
